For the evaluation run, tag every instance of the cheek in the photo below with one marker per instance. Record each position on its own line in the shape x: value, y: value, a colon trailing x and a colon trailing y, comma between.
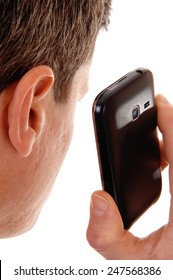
x: 64, y: 141
x: 59, y: 141
x: 66, y: 130
x: 58, y: 135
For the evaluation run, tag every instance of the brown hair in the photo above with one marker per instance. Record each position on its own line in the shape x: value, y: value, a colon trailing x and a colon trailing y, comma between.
x: 58, y: 33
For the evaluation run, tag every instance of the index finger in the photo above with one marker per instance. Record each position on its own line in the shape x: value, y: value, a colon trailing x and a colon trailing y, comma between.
x: 165, y: 123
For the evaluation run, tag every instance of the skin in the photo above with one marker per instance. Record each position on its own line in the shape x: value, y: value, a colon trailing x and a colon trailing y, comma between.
x: 35, y: 133
x: 105, y: 231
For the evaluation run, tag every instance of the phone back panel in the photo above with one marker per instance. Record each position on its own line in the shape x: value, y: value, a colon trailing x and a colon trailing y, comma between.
x: 125, y: 121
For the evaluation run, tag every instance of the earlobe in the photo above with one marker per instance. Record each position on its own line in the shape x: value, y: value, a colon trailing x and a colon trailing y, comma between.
x: 25, y: 111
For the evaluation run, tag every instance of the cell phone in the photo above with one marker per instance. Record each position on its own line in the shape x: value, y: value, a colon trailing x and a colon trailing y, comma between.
x: 125, y: 124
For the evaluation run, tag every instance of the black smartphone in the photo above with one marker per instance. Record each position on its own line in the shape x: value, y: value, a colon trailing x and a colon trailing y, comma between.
x: 125, y: 124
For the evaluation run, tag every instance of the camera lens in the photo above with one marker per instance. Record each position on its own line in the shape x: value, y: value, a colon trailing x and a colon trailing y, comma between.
x: 136, y: 112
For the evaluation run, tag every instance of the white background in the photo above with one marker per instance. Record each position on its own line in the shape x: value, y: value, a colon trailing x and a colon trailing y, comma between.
x: 140, y: 34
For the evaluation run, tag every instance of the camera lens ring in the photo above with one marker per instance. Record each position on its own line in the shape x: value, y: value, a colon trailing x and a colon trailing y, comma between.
x: 135, y: 112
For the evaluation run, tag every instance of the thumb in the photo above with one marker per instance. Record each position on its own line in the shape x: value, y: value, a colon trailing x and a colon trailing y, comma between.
x: 105, y: 231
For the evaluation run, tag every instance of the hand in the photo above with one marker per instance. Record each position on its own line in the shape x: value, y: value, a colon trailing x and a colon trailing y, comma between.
x: 106, y: 233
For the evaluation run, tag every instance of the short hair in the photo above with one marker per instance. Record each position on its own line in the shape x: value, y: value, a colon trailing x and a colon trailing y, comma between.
x: 57, y: 33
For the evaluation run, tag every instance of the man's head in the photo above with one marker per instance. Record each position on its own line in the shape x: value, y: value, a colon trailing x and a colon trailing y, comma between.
x: 59, y: 33
x: 45, y: 53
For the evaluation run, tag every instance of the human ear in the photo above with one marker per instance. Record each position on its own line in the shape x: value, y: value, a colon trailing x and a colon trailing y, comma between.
x: 25, y: 111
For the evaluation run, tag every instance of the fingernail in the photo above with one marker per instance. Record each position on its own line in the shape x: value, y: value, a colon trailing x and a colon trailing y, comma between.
x: 99, y: 204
